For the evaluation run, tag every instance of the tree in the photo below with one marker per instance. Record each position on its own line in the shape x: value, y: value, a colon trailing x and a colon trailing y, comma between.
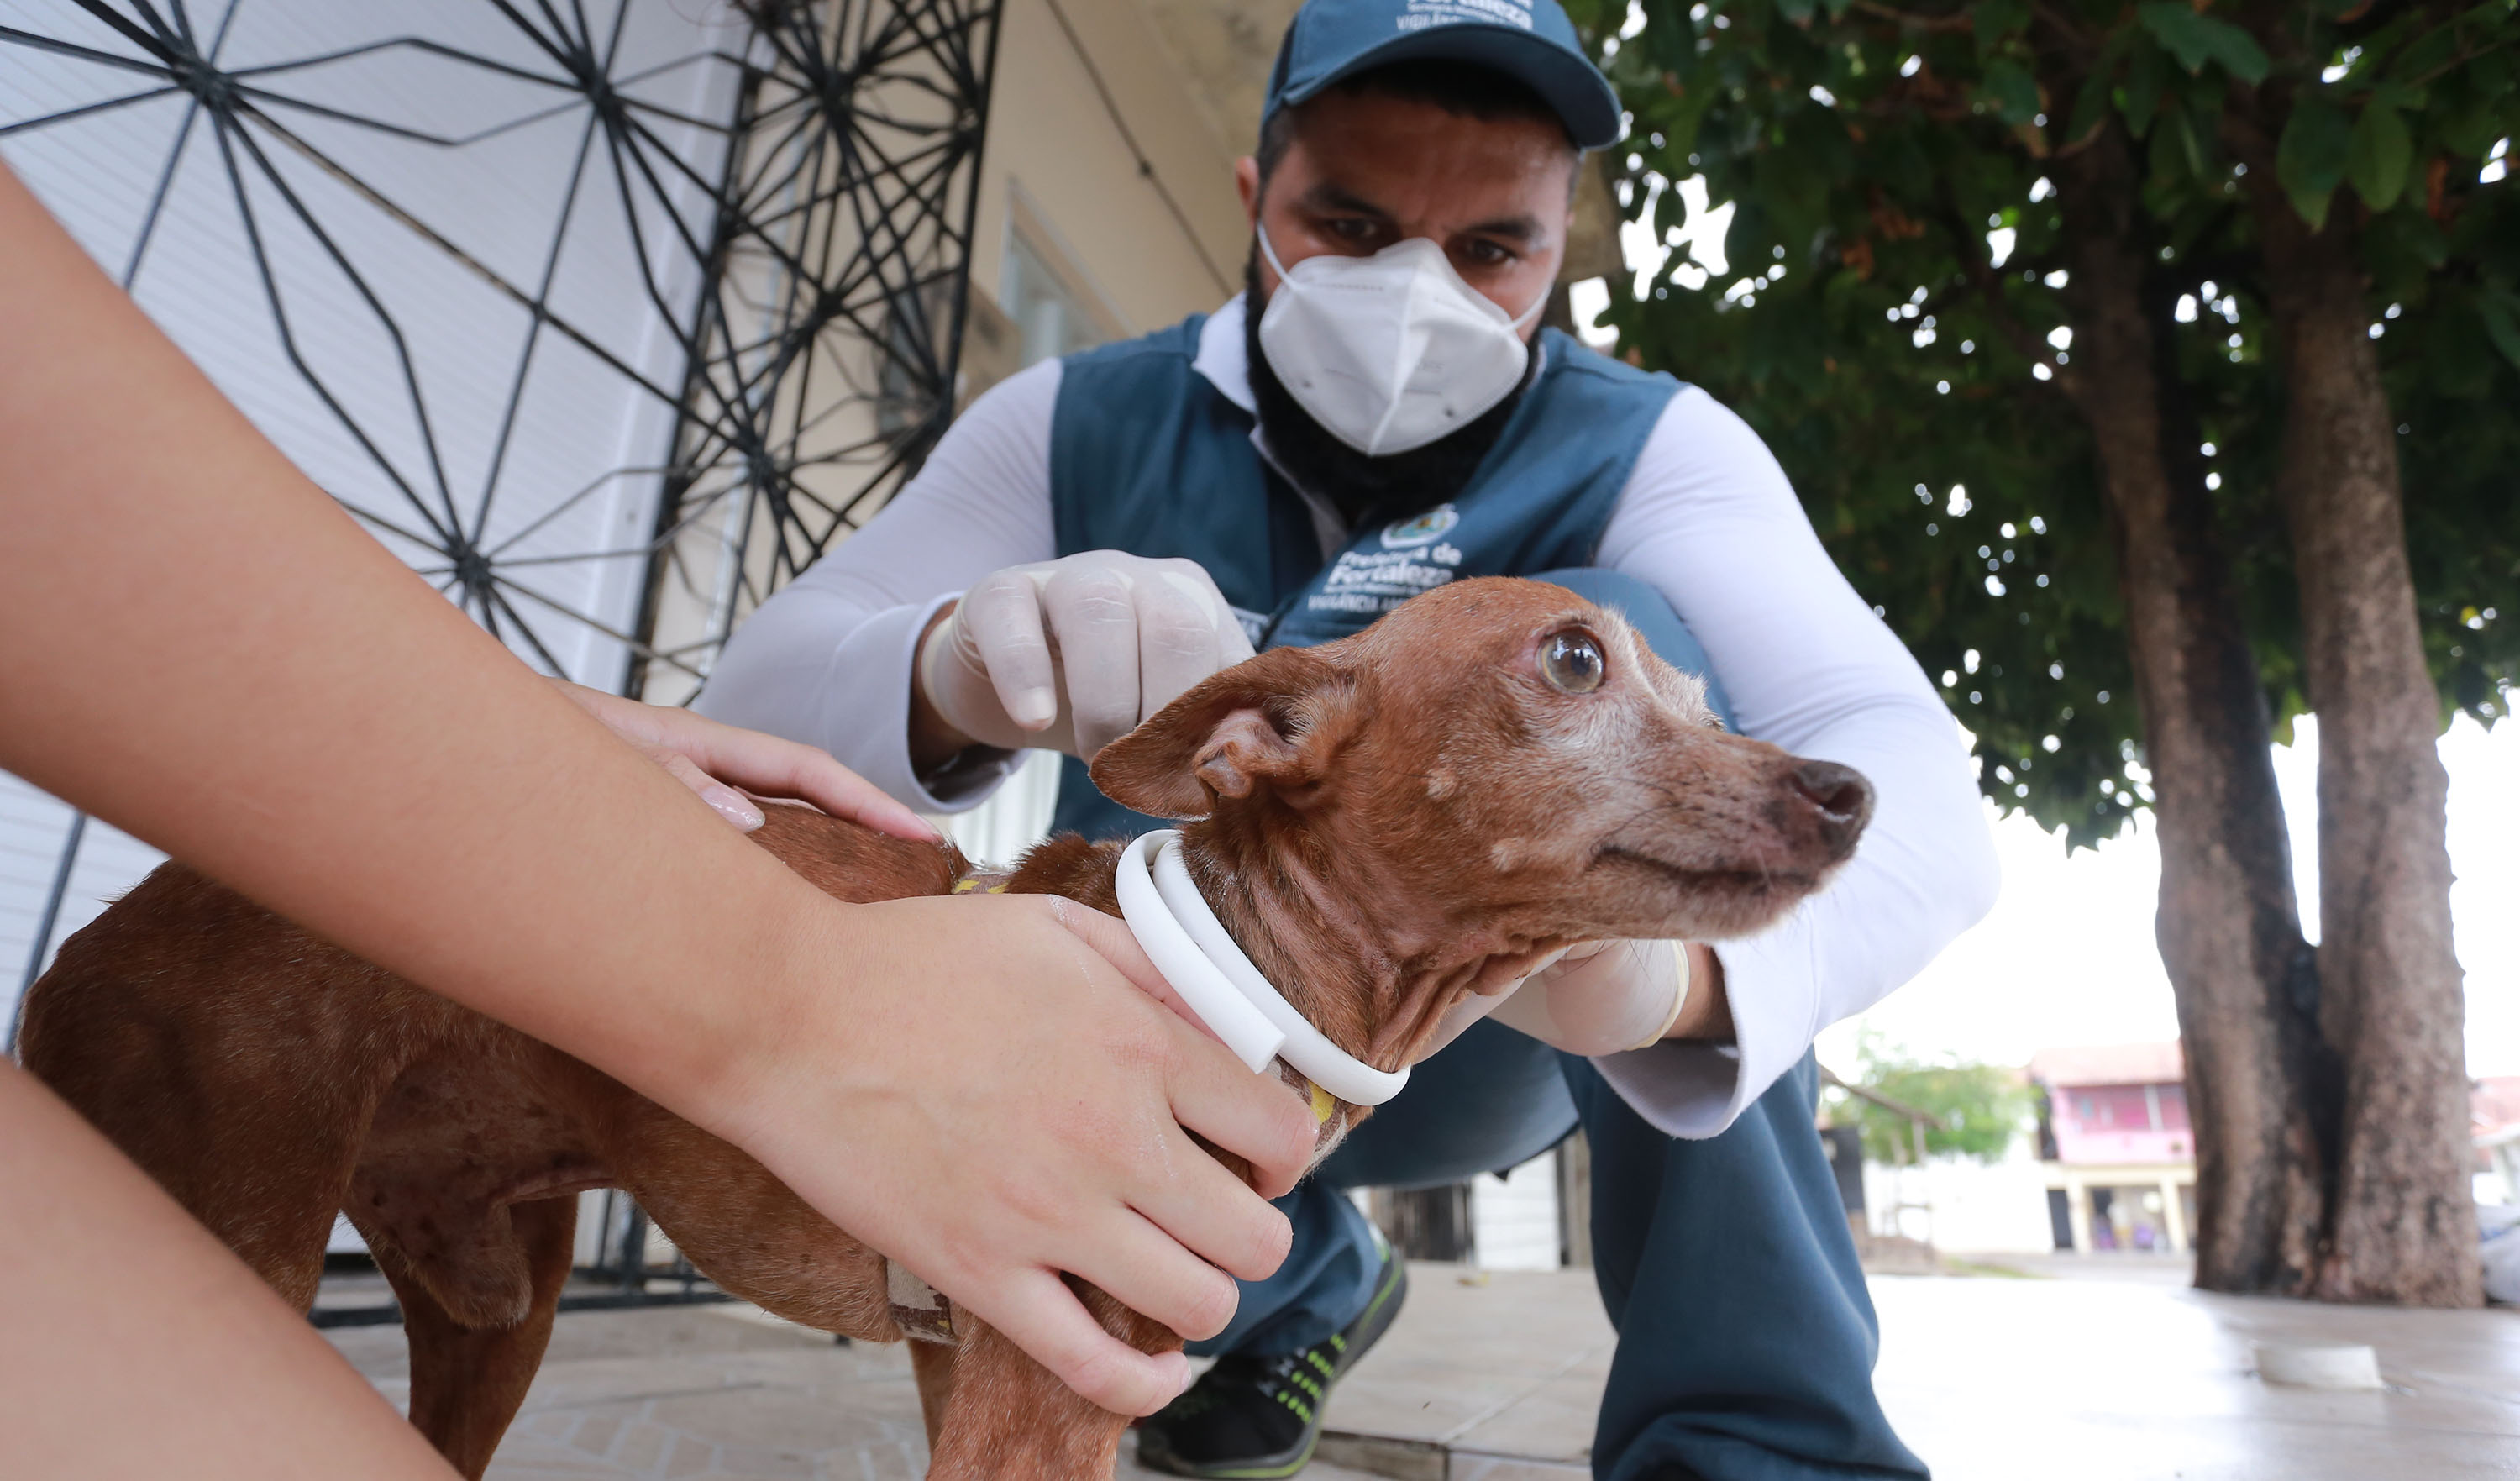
x: 1971, y: 1111
x: 2103, y: 342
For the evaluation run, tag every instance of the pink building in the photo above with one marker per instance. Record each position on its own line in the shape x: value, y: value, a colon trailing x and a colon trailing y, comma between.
x: 2122, y: 1164
x: 2117, y: 1102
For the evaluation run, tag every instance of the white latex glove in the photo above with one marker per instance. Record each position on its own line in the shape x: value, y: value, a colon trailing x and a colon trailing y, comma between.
x: 1602, y: 997
x: 1070, y: 655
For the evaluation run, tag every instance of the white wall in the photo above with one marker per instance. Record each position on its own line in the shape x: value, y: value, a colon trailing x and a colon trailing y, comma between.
x: 1977, y: 1207
x: 1515, y: 1218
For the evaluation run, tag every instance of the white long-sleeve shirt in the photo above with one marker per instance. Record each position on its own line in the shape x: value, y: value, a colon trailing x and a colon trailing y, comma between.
x: 1707, y: 519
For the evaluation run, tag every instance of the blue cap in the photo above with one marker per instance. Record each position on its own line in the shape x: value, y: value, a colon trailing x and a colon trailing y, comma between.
x: 1529, y: 40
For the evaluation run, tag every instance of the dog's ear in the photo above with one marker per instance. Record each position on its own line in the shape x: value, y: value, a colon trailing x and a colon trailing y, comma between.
x: 1269, y: 721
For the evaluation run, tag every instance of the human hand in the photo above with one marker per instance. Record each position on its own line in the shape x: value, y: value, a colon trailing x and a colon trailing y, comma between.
x: 1605, y: 997
x: 707, y: 756
x: 1027, y: 1122
x: 1070, y: 655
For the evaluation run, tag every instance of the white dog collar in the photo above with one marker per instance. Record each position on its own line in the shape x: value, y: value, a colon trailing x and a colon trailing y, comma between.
x: 1196, y: 954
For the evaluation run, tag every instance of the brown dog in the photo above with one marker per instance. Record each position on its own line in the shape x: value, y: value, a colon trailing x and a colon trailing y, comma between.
x: 1384, y: 823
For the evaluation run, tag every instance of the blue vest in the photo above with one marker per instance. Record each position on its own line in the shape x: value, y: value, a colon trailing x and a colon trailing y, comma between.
x: 1147, y: 456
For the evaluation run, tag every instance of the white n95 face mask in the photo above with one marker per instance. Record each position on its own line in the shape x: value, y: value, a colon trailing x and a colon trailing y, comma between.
x: 1392, y: 351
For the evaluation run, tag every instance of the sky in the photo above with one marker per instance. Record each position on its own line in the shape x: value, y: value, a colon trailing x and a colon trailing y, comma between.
x: 2068, y: 956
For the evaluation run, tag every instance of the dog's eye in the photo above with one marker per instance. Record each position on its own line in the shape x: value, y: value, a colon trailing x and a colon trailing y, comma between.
x: 1573, y: 663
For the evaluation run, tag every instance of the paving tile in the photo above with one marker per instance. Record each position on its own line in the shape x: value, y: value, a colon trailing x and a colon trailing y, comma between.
x: 592, y: 1433
x: 1464, y: 1353
x: 1470, y: 1465
x: 2105, y: 1379
x: 1553, y: 1422
x: 2124, y: 1376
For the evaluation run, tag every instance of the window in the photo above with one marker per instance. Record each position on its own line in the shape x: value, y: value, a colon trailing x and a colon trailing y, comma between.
x: 1051, y: 318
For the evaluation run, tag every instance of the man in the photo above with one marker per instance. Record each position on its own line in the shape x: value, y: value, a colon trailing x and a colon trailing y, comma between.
x: 1377, y: 412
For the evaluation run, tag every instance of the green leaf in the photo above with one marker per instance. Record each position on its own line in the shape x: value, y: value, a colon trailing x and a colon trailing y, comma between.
x: 2093, y: 100
x: 1998, y: 19
x: 2146, y: 78
x: 2406, y: 239
x: 2175, y: 151
x: 2309, y: 159
x: 2377, y: 160
x: 2196, y: 39
x: 2501, y: 312
x: 2401, y: 96
x: 1799, y: 12
x: 2490, y: 75
x: 2008, y: 88
x: 2470, y: 131
x: 2426, y: 56
x: 2088, y: 107
x: 2191, y: 147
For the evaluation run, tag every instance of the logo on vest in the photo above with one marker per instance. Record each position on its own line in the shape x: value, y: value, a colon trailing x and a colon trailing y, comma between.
x: 1372, y: 584
x: 1424, y: 529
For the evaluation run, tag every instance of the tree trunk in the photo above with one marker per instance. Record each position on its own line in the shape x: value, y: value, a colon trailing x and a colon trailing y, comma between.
x: 2228, y: 924
x: 2403, y: 1228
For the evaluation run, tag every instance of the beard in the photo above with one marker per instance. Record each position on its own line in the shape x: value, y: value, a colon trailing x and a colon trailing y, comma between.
x: 1364, y: 490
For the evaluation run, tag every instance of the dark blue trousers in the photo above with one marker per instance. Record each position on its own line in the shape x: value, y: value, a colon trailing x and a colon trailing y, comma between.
x: 1746, y: 1338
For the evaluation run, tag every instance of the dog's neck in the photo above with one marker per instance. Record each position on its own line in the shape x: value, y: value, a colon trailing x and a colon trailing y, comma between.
x: 1348, y: 950
x: 1345, y: 950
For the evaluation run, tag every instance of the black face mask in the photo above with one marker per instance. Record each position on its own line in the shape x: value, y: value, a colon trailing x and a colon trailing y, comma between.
x: 1364, y: 490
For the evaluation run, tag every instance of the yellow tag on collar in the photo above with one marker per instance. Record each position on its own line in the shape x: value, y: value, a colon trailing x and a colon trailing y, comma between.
x: 1323, y: 1103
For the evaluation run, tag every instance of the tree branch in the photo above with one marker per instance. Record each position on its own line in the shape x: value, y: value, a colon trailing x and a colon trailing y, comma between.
x: 1970, y: 249
x: 2063, y: 26
x: 1958, y: 22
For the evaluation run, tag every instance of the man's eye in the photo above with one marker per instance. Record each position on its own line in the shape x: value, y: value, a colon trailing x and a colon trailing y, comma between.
x: 1351, y: 230
x: 1486, y: 253
x: 1572, y: 662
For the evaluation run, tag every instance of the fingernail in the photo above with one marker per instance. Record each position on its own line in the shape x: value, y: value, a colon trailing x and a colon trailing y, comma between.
x: 734, y: 807
x: 1035, y: 709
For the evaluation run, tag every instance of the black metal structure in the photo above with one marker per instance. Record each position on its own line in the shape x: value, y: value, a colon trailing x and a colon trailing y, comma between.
x: 798, y: 242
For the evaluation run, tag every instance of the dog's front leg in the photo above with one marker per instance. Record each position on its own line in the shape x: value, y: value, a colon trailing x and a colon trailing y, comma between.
x: 933, y: 1364
x: 1005, y: 1417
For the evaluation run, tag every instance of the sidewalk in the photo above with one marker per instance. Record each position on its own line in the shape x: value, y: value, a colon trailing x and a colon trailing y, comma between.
x: 704, y: 1392
x: 2109, y: 1373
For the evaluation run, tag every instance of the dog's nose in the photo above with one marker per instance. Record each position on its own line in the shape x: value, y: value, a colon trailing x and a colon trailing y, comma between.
x: 1840, y: 795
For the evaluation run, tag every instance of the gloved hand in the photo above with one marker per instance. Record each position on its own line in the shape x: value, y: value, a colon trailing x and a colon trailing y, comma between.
x: 1070, y: 655
x: 1603, y: 997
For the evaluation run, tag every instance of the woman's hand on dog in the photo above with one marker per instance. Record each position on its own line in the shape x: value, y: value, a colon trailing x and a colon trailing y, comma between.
x: 713, y: 760
x: 995, y: 1097
x: 1065, y: 1158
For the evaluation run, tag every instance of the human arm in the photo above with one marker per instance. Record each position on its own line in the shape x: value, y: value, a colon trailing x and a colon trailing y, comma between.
x: 929, y: 648
x: 1709, y: 519
x: 134, y: 1345
x: 715, y: 759
x: 244, y: 678
x: 829, y: 660
x: 1603, y: 997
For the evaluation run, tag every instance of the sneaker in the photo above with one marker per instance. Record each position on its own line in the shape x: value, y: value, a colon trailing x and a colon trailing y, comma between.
x: 1253, y: 1417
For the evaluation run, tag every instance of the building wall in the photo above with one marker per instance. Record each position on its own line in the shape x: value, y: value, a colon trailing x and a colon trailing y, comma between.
x: 2121, y: 1123
x: 1513, y: 1219
x: 2127, y: 1206
x: 1962, y: 1206
x: 1077, y: 107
